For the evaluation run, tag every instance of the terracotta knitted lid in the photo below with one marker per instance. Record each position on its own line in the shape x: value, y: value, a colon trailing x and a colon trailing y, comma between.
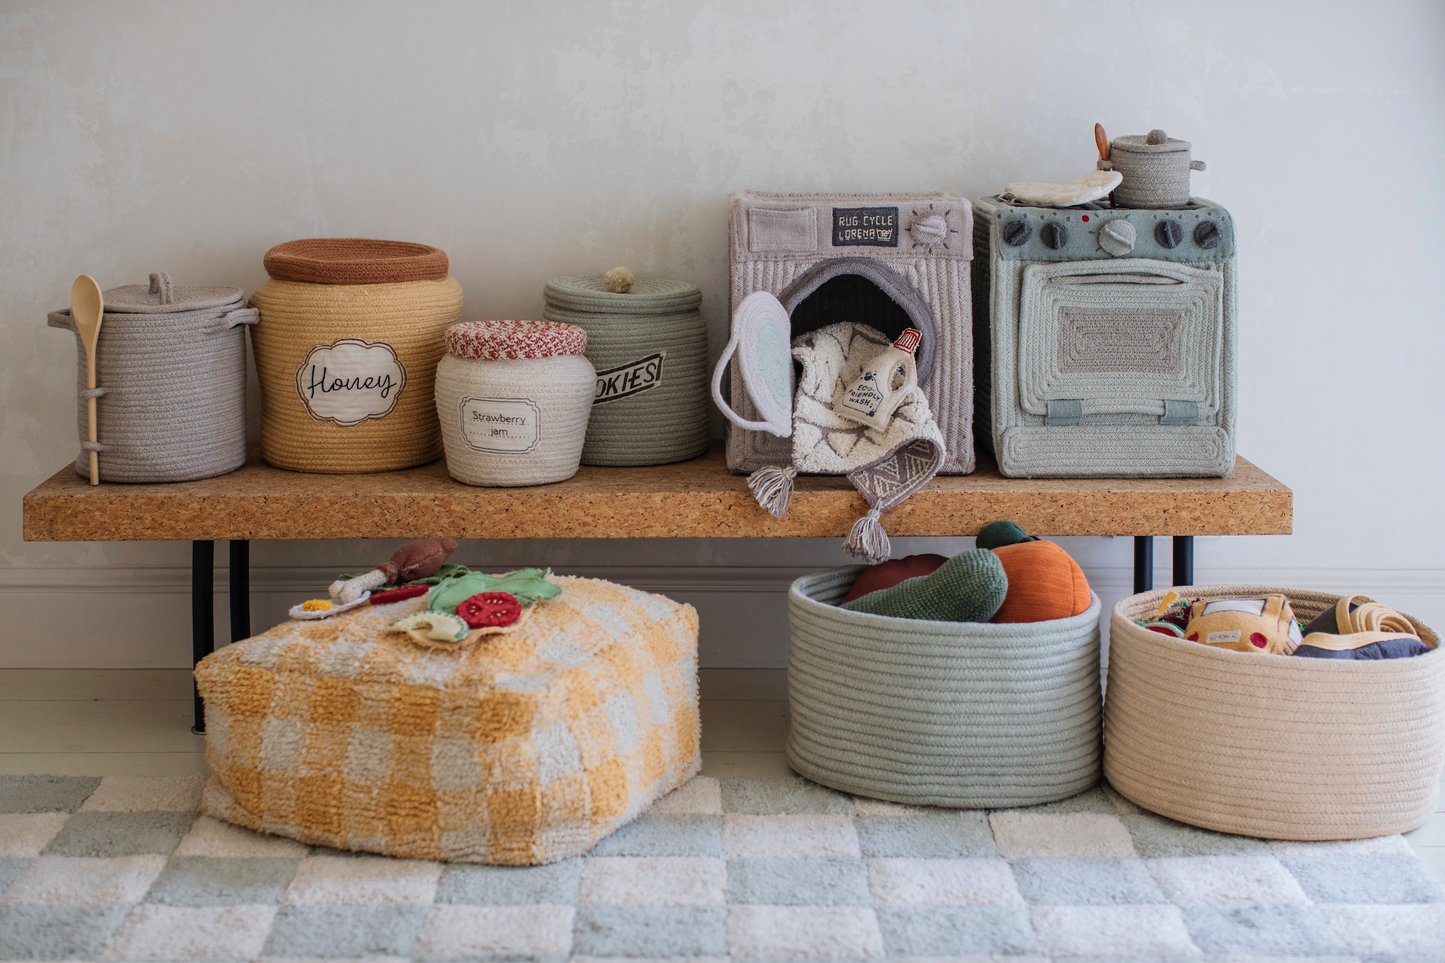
x: 513, y: 340
x: 355, y: 260
x: 162, y: 296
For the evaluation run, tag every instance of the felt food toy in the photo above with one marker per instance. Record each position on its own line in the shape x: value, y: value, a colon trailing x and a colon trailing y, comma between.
x: 414, y: 560
x: 1044, y: 582
x: 967, y: 588
x: 323, y: 609
x: 1265, y: 624
x: 890, y: 573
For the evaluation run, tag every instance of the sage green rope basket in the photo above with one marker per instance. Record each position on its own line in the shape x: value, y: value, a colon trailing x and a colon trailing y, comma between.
x: 662, y: 424
x: 960, y: 714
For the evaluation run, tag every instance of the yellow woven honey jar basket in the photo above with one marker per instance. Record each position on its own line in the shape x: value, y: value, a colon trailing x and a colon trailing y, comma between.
x: 347, y: 347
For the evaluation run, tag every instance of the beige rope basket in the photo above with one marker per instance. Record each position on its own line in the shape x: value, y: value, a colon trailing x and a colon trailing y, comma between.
x: 1278, y: 747
x: 347, y: 370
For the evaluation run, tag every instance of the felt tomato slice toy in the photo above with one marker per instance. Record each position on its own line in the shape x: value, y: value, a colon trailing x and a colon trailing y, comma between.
x: 490, y: 610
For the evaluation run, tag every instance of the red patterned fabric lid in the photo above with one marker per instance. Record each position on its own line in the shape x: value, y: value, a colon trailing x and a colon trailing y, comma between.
x: 512, y: 340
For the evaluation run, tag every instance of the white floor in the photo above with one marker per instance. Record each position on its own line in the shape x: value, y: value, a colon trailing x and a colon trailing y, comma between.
x: 136, y: 722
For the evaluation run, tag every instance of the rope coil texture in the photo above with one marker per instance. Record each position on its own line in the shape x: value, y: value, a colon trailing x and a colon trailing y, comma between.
x: 354, y: 260
x: 1057, y: 334
x: 412, y: 317
x: 1272, y: 746
x: 659, y: 425
x: 560, y: 387
x: 173, y: 402
x: 959, y: 714
x: 940, y: 277
x: 1156, y: 171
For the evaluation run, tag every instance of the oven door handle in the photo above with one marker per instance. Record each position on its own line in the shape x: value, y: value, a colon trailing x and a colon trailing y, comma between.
x: 1135, y: 278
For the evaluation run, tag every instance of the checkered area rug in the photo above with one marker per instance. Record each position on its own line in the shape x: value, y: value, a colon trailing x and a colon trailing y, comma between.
x: 755, y: 869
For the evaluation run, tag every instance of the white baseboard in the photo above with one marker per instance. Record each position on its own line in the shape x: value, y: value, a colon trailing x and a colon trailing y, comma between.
x: 139, y: 617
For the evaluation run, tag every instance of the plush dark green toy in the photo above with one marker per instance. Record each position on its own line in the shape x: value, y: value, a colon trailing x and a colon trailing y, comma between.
x: 999, y: 534
x: 969, y: 587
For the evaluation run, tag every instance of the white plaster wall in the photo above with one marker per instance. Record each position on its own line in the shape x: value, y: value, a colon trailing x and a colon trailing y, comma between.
x: 529, y: 140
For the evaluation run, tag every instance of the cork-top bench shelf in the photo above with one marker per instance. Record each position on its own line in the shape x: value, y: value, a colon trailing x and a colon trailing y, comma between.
x: 694, y: 499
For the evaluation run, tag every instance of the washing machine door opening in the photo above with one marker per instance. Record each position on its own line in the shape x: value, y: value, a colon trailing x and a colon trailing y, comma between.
x: 862, y: 291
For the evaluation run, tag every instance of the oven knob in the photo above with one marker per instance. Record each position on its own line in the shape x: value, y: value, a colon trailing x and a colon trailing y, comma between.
x: 1017, y: 233
x: 1055, y: 235
x: 1117, y: 237
x: 1207, y: 235
x: 1169, y: 233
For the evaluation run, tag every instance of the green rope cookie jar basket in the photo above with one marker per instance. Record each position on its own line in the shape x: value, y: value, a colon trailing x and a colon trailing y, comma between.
x: 347, y: 347
x: 647, y: 340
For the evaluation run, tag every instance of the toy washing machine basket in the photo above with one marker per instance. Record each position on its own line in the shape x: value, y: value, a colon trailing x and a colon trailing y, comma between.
x: 891, y: 261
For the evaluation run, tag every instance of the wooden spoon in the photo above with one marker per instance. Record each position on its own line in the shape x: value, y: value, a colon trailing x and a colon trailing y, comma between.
x: 86, y: 307
x: 1101, y: 141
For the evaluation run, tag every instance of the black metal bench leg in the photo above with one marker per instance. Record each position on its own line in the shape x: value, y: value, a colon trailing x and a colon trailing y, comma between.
x: 240, y: 590
x: 203, y: 615
x: 1143, y: 563
x: 1183, y: 559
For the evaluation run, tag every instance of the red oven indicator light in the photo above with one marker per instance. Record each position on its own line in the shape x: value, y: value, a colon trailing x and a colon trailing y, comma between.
x: 1086, y: 217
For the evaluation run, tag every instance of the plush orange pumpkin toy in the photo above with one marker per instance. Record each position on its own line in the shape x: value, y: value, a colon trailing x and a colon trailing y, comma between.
x: 1044, y: 582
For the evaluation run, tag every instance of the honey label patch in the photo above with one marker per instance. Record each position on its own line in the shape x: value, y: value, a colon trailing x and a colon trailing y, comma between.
x: 350, y: 381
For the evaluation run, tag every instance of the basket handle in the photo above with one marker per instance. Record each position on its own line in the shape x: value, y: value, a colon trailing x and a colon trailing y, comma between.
x: 233, y: 319
x: 61, y: 320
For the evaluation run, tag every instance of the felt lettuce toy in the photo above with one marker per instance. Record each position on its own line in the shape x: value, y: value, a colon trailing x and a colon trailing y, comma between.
x: 527, y: 585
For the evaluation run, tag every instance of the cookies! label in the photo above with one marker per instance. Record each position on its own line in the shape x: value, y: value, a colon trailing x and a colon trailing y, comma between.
x: 630, y: 379
x: 502, y: 426
x: 350, y: 381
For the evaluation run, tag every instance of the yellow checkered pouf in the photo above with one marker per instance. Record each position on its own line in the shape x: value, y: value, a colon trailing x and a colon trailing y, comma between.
x: 523, y: 749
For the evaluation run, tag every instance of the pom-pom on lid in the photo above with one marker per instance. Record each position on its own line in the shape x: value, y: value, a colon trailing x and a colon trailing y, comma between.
x: 647, y: 295
x: 355, y: 260
x: 514, y: 340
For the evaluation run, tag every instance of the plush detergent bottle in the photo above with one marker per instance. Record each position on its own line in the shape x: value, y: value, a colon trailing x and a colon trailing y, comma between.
x: 884, y: 383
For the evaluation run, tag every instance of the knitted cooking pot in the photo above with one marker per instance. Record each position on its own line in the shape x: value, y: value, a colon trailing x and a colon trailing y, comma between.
x: 1271, y: 745
x: 170, y: 382
x: 347, y: 366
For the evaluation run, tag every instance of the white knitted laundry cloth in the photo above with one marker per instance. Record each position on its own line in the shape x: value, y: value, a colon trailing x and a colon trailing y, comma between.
x: 886, y: 466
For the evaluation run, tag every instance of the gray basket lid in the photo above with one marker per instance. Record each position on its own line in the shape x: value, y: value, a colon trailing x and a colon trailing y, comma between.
x: 1154, y: 142
x: 649, y: 295
x: 161, y: 296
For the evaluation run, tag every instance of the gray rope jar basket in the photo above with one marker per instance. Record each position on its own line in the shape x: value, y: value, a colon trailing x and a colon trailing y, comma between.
x: 170, y: 382
x: 649, y: 347
x: 968, y: 715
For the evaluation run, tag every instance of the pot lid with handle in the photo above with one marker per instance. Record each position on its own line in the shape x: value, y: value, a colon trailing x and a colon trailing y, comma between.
x: 162, y: 296
x: 1154, y: 142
